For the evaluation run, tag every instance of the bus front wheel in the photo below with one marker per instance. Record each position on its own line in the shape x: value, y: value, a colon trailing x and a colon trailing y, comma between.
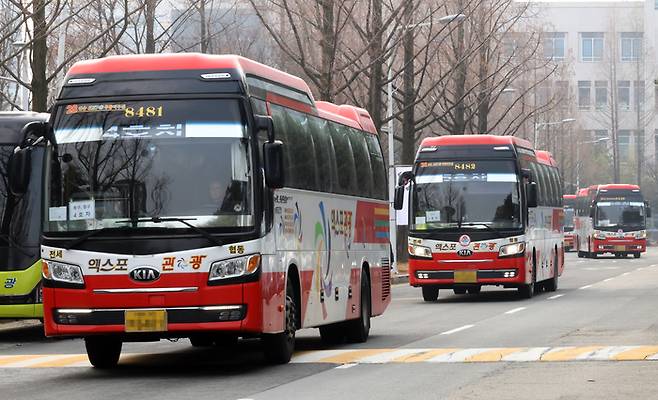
x: 280, y: 346
x: 637, y: 255
x: 103, y: 353
x: 430, y: 293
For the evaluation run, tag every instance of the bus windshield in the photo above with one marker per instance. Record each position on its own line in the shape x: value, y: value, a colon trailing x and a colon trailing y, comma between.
x: 118, y: 164
x: 457, y: 194
x: 619, y: 214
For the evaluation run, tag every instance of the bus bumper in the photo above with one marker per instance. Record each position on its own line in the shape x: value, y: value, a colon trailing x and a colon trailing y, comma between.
x: 569, y: 242
x: 232, y: 308
x: 619, y: 246
x: 507, y: 272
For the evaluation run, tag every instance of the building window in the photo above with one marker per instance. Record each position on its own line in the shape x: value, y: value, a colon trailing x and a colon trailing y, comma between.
x: 638, y: 95
x: 554, y: 45
x: 591, y: 46
x: 631, y: 46
x: 585, y: 94
x: 624, y: 144
x: 601, y: 94
x: 624, y: 95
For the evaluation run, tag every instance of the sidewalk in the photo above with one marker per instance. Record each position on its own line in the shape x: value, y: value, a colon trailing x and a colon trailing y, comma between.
x: 402, y: 276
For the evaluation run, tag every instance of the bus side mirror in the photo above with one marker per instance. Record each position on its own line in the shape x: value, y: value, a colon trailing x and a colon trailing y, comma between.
x: 531, y: 194
x: 264, y: 123
x: 527, y: 174
x: 19, y: 171
x: 398, y: 198
x: 648, y: 212
x: 273, y: 164
x: 38, y: 129
x: 591, y: 212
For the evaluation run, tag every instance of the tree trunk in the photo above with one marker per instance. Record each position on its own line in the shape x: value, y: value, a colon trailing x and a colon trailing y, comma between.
x: 460, y: 82
x: 149, y: 16
x: 328, y: 45
x: 203, y: 25
x: 409, y: 96
x: 39, y: 57
x: 375, y: 105
x: 483, y: 93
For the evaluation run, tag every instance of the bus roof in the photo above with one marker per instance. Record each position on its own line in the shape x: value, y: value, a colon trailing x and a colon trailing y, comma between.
x: 569, y: 196
x: 545, y: 157
x: 582, y: 192
x: 348, y: 115
x: 618, y: 186
x: 12, y: 122
x: 459, y: 140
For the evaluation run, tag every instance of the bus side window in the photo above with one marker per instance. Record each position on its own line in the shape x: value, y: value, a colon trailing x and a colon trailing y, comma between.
x: 300, y: 146
x: 324, y: 155
x: 378, y: 167
x: 362, y: 161
x: 541, y: 187
x: 345, y: 168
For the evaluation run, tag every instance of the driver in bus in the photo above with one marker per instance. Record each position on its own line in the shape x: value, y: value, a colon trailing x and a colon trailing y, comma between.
x: 230, y: 200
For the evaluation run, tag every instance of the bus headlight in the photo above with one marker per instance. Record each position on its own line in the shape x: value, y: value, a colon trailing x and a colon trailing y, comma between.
x: 511, y: 249
x: 641, y: 235
x: 599, y: 235
x: 420, y: 251
x: 61, y: 272
x: 234, y: 267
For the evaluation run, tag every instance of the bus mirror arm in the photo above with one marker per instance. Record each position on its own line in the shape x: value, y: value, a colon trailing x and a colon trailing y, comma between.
x: 264, y: 123
x: 273, y: 164
x: 20, y: 170
x: 38, y: 130
x: 527, y: 174
x: 531, y: 194
x: 406, y: 177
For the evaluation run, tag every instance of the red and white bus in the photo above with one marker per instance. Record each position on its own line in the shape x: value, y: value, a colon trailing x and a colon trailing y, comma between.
x: 569, y: 203
x: 484, y: 210
x: 611, y: 219
x: 208, y: 197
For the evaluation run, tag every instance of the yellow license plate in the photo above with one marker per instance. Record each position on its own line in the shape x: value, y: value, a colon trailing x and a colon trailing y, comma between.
x: 145, y: 321
x: 620, y: 248
x: 466, y: 276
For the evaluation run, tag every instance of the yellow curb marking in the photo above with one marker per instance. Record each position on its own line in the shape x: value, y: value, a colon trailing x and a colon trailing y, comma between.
x: 640, y: 353
x: 4, y: 360
x: 62, y: 361
x: 422, y: 356
x: 352, y: 356
x: 492, y: 355
x: 569, y: 353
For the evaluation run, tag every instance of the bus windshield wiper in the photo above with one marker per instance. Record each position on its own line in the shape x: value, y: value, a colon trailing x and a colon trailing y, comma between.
x: 158, y: 220
x: 11, y: 243
x: 489, y: 227
x: 89, y: 234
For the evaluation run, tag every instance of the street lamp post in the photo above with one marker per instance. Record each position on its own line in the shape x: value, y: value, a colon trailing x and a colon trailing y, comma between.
x: 391, y: 129
x: 543, y: 124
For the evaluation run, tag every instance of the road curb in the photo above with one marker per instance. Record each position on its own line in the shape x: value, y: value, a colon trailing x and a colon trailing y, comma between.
x: 399, y: 278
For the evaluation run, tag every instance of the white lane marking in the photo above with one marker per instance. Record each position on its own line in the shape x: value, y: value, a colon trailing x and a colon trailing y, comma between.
x: 585, y: 287
x: 461, y: 328
x: 457, y: 356
x: 625, y: 273
x: 345, y: 366
x: 604, y: 354
x: 388, y: 356
x: 599, y: 268
x: 531, y: 354
x: 515, y: 310
x: 608, y: 279
x: 557, y: 296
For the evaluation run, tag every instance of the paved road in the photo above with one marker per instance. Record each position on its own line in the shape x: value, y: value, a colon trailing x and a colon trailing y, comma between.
x: 596, y: 336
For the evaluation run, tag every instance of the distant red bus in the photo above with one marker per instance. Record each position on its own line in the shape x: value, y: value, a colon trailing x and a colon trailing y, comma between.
x: 611, y: 219
x: 569, y: 203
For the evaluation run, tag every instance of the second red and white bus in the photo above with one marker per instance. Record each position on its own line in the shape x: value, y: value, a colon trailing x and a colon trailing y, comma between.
x: 611, y: 219
x: 484, y: 210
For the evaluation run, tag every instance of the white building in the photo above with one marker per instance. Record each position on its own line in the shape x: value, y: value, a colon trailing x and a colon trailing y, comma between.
x: 609, y: 50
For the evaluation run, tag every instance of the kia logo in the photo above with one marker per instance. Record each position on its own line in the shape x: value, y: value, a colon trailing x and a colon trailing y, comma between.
x: 144, y: 274
x: 465, y: 253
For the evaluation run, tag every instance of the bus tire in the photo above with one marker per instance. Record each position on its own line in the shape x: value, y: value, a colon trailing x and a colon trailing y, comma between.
x: 103, y: 352
x: 460, y: 290
x: 526, y: 291
x: 637, y: 254
x: 358, y: 329
x: 280, y: 346
x: 581, y: 254
x: 430, y: 293
x: 201, y: 341
x: 552, y: 284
